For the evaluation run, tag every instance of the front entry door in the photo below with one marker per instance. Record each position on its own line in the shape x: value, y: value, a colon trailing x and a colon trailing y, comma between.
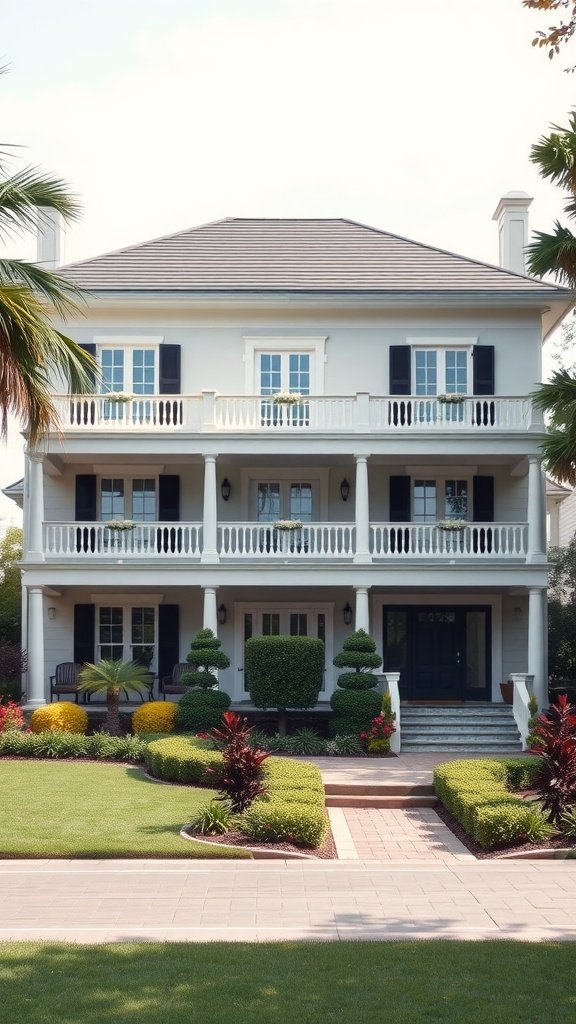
x: 441, y: 653
x: 438, y: 646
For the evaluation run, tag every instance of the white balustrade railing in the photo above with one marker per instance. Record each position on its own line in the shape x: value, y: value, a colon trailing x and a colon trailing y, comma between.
x: 426, y: 540
x: 361, y: 413
x: 480, y: 413
x: 264, y: 540
x: 143, y: 540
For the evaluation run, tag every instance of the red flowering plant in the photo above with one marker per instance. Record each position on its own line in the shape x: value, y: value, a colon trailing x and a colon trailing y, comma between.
x: 11, y: 716
x: 555, y: 734
x: 377, y: 737
x: 241, y: 778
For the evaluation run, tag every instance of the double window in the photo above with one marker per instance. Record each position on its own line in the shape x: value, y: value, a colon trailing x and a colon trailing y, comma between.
x: 285, y: 499
x: 129, y: 369
x: 128, y: 499
x: 126, y: 633
x: 440, y: 371
x: 440, y: 499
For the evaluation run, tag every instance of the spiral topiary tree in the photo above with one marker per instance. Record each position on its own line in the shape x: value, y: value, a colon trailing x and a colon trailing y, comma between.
x: 355, y: 704
x: 204, y: 655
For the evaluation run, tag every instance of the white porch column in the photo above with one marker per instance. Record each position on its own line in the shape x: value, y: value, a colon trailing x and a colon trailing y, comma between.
x: 362, y: 511
x: 35, y: 546
x: 35, y: 648
x: 24, y: 631
x: 536, y: 511
x: 210, y: 517
x: 537, y: 645
x: 362, y: 620
x: 210, y: 619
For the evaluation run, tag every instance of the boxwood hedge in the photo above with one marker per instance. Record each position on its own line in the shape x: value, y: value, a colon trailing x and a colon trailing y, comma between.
x: 479, y: 795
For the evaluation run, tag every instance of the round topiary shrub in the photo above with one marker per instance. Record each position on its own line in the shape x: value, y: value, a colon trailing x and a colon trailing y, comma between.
x: 205, y: 654
x: 353, y: 711
x: 354, y: 704
x: 199, y: 710
x: 62, y: 717
x: 155, y: 716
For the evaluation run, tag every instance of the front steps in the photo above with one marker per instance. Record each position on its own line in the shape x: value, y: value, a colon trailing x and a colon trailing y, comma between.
x: 382, y: 794
x: 468, y: 729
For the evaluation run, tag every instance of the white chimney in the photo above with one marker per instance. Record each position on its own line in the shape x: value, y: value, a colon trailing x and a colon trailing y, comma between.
x: 512, y: 216
x: 50, y: 239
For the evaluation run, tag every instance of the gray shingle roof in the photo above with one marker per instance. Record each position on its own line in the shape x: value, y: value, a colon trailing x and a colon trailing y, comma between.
x: 294, y: 255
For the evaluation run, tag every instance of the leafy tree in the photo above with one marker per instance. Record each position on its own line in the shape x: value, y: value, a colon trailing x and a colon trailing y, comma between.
x: 110, y: 678
x: 10, y: 585
x: 556, y: 35
x: 555, y: 157
x: 32, y: 351
x: 205, y: 654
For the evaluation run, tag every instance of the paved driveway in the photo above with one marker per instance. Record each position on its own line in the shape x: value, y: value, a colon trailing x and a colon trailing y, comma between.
x: 104, y: 901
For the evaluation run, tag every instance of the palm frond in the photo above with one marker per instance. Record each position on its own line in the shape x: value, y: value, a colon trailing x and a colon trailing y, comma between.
x: 559, y: 451
x: 62, y: 294
x: 553, y: 254
x: 105, y: 675
x: 555, y: 155
x: 24, y: 191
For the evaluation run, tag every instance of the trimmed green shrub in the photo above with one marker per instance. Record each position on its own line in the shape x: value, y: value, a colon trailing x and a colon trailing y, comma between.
x: 354, y: 705
x: 183, y: 759
x: 205, y: 654
x: 305, y: 742
x: 478, y: 794
x: 101, y: 746
x: 275, y: 822
x: 345, y: 746
x: 353, y: 711
x: 201, y: 709
x: 284, y: 672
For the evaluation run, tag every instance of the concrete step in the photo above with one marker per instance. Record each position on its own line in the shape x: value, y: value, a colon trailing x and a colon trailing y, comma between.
x: 391, y: 802
x: 456, y: 709
x: 466, y: 749
x: 469, y: 735
x: 464, y: 716
x: 379, y: 789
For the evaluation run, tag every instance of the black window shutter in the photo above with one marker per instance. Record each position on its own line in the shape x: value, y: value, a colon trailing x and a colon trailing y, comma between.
x: 399, y: 499
x: 168, y: 638
x: 84, y: 632
x: 483, y: 499
x: 168, y: 498
x: 86, y: 498
x: 169, y: 369
x: 90, y: 348
x: 400, y: 377
x: 483, y: 376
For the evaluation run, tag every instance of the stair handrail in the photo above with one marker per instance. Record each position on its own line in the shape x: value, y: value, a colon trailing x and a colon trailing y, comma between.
x: 523, y: 684
x: 390, y: 682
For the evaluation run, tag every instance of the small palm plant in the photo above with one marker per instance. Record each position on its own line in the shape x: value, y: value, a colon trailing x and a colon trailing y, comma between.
x: 111, y: 677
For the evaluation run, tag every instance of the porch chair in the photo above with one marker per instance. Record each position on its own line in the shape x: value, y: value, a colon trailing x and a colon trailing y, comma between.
x: 172, y: 683
x: 65, y: 680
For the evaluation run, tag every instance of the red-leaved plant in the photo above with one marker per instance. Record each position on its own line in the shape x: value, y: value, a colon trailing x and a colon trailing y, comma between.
x: 556, y: 782
x: 241, y: 779
x: 11, y: 716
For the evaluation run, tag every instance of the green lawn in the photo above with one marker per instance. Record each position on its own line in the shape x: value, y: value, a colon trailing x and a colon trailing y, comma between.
x: 282, y: 983
x: 72, y: 809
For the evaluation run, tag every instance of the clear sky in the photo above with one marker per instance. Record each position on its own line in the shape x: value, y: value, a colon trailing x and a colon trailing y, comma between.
x: 413, y: 116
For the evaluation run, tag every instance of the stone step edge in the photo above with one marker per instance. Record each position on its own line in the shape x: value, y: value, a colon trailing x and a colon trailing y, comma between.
x: 382, y: 802
x: 378, y: 789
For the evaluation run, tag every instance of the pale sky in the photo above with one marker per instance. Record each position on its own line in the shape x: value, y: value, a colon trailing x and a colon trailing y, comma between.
x: 412, y: 116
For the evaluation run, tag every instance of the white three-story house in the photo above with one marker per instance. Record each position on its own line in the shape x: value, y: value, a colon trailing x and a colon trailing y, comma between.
x: 315, y: 426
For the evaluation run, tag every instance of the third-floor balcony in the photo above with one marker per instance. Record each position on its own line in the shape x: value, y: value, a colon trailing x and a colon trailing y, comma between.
x: 210, y: 412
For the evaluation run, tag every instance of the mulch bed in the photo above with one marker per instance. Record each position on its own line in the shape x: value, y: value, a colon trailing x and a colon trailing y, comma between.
x: 327, y: 851
x: 559, y: 843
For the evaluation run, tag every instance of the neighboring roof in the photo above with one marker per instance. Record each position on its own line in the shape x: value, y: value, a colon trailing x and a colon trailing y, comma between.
x: 15, y: 491
x: 556, y: 490
x: 294, y: 255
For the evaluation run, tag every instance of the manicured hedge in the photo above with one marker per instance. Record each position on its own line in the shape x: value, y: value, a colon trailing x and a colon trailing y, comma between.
x: 200, y: 710
x: 292, y: 811
x: 284, y: 671
x: 55, y: 743
x: 479, y: 795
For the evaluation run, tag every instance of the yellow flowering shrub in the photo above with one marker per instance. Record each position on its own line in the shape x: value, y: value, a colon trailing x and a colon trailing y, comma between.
x: 63, y: 716
x: 155, y: 716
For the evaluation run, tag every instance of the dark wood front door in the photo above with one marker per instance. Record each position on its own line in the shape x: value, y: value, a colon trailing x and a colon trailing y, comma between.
x: 441, y: 652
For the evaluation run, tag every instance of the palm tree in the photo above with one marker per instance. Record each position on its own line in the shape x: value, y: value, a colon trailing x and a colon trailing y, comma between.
x: 32, y: 351
x: 558, y: 397
x: 111, y: 677
x: 555, y: 157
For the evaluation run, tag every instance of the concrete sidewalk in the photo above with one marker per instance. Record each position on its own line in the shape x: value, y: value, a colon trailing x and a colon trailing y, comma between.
x: 415, y: 768
x: 112, y: 901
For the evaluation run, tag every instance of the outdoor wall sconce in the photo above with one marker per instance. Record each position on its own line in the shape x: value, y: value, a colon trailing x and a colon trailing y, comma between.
x: 345, y: 489
x: 52, y: 612
x: 347, y: 613
x: 222, y: 614
x: 226, y: 488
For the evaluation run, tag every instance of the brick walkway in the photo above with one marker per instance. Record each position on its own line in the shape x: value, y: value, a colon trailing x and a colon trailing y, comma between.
x: 370, y: 834
x: 113, y: 901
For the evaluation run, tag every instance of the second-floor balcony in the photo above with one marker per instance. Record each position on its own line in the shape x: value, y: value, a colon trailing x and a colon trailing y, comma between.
x: 210, y: 412
x: 313, y: 542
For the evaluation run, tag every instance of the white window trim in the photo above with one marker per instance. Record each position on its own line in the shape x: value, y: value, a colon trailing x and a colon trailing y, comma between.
x: 128, y: 345
x: 128, y: 478
x: 137, y: 601
x: 468, y: 342
x: 315, y: 345
x: 440, y: 483
x: 251, y: 476
x: 324, y: 608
